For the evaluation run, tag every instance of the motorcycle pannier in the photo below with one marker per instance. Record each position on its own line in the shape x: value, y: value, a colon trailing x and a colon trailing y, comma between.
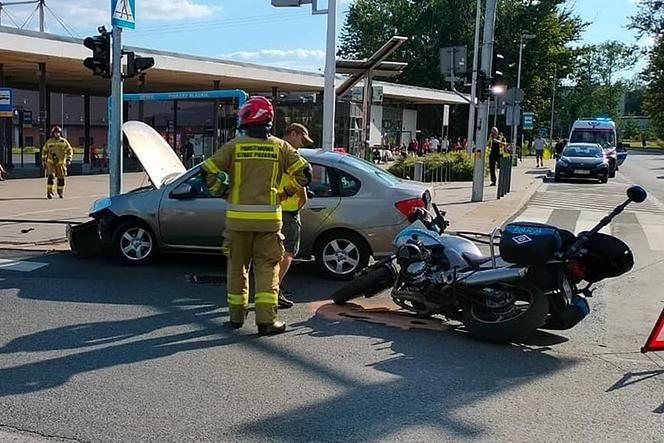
x: 528, y: 243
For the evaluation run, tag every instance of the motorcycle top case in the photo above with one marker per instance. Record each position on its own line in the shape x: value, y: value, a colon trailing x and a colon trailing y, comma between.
x: 529, y: 243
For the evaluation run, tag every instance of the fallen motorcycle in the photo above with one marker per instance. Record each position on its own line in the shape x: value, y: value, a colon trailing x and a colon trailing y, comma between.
x: 533, y: 283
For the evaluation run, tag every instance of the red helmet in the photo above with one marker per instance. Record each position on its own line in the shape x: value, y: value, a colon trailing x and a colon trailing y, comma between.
x: 56, y: 129
x: 256, y: 110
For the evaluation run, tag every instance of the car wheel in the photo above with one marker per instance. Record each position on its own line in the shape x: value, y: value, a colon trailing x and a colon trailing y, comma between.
x: 604, y: 179
x: 341, y: 254
x: 612, y: 170
x: 133, y: 243
x: 556, y: 178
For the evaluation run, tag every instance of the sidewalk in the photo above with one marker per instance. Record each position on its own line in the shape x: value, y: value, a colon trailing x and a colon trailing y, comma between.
x: 25, y: 199
x: 454, y: 198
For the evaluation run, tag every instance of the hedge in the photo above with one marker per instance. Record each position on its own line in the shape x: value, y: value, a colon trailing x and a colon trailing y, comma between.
x: 455, y: 166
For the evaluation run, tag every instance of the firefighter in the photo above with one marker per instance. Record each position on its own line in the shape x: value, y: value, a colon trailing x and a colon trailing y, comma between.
x: 56, y: 156
x: 298, y: 137
x: 255, y: 163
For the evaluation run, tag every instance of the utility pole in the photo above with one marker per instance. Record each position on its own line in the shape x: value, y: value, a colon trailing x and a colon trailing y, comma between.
x: 473, y: 89
x: 483, y: 118
x: 41, y: 16
x: 115, y: 136
x: 330, y: 95
x: 553, y: 102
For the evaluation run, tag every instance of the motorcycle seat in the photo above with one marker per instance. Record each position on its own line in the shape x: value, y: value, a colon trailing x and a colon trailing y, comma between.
x: 476, y: 260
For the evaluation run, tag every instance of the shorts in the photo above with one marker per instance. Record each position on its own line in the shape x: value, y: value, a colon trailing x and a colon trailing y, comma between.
x: 539, y: 154
x: 292, y: 228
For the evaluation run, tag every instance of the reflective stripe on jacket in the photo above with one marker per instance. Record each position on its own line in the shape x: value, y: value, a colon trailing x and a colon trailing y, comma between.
x: 256, y: 167
x: 503, y: 144
x: 57, y: 150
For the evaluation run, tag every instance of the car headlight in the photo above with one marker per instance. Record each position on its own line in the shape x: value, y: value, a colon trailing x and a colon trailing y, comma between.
x: 563, y: 163
x: 100, y: 205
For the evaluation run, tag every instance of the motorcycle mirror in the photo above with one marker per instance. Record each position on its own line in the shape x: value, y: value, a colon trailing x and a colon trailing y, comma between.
x: 637, y: 194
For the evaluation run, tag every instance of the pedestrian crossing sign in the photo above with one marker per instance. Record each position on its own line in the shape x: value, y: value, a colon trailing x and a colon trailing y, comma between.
x: 123, y: 13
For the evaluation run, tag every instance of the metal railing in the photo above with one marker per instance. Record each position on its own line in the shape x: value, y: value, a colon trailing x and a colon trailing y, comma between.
x: 432, y: 173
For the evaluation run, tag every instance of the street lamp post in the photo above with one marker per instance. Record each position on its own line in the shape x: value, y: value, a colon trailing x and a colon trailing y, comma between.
x: 515, y: 128
x: 553, y: 100
x: 329, y: 94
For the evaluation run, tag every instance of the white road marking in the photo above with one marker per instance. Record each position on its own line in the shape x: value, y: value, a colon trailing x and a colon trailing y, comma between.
x: 653, y: 227
x: 588, y: 220
x: 20, y: 266
x: 535, y: 214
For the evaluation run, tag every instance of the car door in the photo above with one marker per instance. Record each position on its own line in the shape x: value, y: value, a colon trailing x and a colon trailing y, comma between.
x: 195, y: 221
x: 324, y: 199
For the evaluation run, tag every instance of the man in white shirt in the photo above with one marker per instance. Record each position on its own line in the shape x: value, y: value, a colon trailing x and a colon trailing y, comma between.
x: 434, y: 145
x: 538, y: 144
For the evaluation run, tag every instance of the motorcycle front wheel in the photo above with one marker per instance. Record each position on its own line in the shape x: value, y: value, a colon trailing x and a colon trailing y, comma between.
x: 367, y: 285
x: 524, y: 315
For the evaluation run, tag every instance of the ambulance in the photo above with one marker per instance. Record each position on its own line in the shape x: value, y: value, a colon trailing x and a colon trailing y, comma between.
x: 603, y: 132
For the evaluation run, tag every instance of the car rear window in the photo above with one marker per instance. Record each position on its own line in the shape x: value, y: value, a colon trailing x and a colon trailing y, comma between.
x: 583, y: 151
x: 371, y: 169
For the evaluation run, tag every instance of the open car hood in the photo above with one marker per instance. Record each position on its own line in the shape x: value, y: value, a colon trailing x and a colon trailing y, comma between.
x: 156, y: 156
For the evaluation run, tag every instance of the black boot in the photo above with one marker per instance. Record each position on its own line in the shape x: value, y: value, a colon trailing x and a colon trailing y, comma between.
x: 271, y: 329
x: 284, y: 303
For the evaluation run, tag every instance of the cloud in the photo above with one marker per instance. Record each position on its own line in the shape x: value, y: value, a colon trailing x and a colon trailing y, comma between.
x: 81, y: 14
x: 302, y: 59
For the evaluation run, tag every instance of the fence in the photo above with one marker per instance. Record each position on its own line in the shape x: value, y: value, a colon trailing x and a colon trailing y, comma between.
x: 443, y: 172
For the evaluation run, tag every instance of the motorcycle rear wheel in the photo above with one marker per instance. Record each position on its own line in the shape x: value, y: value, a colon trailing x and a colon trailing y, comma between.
x: 521, y: 318
x: 367, y: 285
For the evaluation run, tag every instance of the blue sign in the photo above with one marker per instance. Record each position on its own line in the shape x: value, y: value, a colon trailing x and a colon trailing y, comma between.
x: 123, y: 13
x: 6, y: 102
x: 528, y: 121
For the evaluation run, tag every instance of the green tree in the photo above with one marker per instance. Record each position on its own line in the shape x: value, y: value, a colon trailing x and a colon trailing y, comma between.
x: 433, y: 24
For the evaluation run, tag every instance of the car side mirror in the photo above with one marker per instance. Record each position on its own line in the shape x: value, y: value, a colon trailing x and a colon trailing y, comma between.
x: 182, y: 192
x: 637, y: 194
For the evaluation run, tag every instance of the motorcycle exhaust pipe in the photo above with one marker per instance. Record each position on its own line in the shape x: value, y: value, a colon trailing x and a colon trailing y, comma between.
x: 491, y: 276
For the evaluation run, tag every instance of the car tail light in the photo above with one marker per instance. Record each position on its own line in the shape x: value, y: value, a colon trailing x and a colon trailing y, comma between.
x: 408, y: 206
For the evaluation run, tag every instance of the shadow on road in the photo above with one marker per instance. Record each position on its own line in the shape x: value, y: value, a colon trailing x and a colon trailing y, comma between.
x: 432, y: 377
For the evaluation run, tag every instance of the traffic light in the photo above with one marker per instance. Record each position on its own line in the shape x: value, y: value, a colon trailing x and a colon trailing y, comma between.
x: 100, y: 62
x: 136, y: 65
x: 484, y: 86
x: 497, y: 71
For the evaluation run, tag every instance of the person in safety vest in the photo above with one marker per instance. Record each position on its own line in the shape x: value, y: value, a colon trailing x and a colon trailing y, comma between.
x: 255, y: 163
x: 496, y: 148
x: 56, y: 156
x: 297, y: 136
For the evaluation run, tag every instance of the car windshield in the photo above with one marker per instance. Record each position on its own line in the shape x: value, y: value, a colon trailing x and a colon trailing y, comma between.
x: 371, y: 169
x: 606, y: 137
x: 170, y: 177
x: 583, y: 151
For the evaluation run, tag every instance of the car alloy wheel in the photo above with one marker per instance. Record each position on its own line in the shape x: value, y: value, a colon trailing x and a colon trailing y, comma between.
x: 342, y: 254
x: 136, y: 244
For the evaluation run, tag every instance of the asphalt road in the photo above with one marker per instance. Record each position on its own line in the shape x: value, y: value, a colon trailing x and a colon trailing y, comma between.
x: 91, y: 351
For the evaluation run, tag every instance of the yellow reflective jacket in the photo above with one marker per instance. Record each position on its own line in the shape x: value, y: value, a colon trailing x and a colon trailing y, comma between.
x: 57, y: 151
x: 256, y: 167
x: 503, y: 146
x: 295, y: 202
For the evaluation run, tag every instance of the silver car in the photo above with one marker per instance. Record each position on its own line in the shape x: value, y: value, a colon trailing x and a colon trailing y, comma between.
x: 354, y: 211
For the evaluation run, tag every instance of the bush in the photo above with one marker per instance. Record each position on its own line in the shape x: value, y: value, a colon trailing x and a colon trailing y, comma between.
x: 455, y: 166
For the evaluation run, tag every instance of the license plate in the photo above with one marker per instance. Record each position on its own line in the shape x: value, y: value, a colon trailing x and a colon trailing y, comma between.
x: 581, y: 172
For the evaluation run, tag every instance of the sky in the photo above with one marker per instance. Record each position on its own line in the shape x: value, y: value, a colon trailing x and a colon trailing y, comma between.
x: 254, y: 31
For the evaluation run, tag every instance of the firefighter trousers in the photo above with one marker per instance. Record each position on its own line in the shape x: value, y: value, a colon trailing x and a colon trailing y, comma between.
x: 53, y: 171
x: 262, y: 252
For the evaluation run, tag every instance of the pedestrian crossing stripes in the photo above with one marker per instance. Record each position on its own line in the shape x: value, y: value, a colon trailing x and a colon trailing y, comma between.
x: 19, y: 265
x: 579, y: 208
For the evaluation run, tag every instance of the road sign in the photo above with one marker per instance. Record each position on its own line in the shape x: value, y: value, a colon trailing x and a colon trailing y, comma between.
x: 453, y: 61
x: 446, y: 115
x: 528, y: 121
x: 514, y: 96
x: 513, y: 115
x: 656, y: 340
x: 377, y: 95
x: 123, y: 13
x: 357, y: 94
x: 6, y: 102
